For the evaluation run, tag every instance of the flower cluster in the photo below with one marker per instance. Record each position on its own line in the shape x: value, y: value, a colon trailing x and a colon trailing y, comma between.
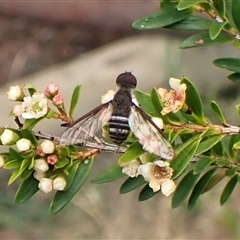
x: 158, y: 174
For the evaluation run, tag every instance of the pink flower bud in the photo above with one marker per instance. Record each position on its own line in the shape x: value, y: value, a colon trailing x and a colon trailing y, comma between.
x: 57, y: 100
x: 40, y: 152
x: 51, y: 90
x: 52, y: 159
x: 18, y: 110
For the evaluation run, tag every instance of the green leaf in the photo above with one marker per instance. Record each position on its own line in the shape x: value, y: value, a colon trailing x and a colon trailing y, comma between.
x: 218, y: 111
x: 232, y: 13
x: 108, y: 175
x: 26, y: 173
x: 15, y: 163
x: 15, y: 154
x: 231, y: 64
x: 26, y: 190
x: 31, y: 123
x: 208, y: 143
x: 230, y: 172
x: 215, y: 29
x: 219, y: 7
x: 203, y: 39
x: 191, y: 23
x: 133, y: 152
x: 18, y: 172
x: 168, y: 15
x: 217, y: 149
x: 144, y: 100
x: 218, y: 177
x: 62, y: 161
x: 194, y: 101
x: 184, y: 188
x: 202, y: 164
x: 227, y: 191
x: 61, y: 198
x: 131, y: 184
x: 71, y: 173
x: 74, y: 100
x: 146, y: 193
x: 199, y: 188
x: 183, y: 4
x: 30, y: 89
x: 26, y: 133
x: 235, y: 77
x: 231, y: 149
x: 180, y: 163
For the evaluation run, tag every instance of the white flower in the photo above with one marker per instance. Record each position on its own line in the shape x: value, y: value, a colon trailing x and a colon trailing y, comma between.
x: 39, y: 175
x: 2, y: 160
x: 108, y: 96
x: 40, y: 165
x: 15, y: 93
x: 47, y: 146
x: 9, y: 137
x: 46, y: 185
x: 18, y: 110
x: 59, y: 183
x: 34, y: 106
x: 158, y: 174
x: 131, y: 168
x: 175, y: 98
x: 23, y: 144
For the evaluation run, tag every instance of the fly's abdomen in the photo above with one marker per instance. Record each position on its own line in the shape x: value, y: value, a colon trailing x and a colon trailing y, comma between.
x: 118, y: 129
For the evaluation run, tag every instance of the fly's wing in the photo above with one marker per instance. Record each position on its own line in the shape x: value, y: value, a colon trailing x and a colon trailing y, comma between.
x: 87, y: 125
x: 149, y: 134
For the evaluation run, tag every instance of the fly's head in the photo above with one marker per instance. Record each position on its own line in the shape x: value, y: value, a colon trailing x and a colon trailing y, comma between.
x: 126, y: 79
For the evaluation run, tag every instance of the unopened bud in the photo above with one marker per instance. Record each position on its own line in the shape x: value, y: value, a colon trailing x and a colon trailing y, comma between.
x: 59, y: 183
x: 15, y: 93
x: 2, y: 160
x: 9, y: 137
x: 40, y: 165
x: 52, y: 159
x: 23, y: 144
x: 47, y: 146
x: 57, y: 100
x: 38, y: 175
x: 51, y: 90
x: 45, y: 185
x: 18, y: 110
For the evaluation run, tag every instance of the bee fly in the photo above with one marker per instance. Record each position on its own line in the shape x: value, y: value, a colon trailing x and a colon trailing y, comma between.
x: 122, y: 116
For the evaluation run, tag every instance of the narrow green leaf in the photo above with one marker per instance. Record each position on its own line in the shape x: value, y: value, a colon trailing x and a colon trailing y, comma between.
x: 218, y: 177
x: 231, y: 149
x: 218, y: 111
x: 26, y: 173
x: 168, y: 15
x: 144, y: 100
x: 202, y: 164
x: 215, y: 29
x: 231, y: 64
x: 15, y: 163
x: 219, y: 7
x: 208, y: 143
x: 217, y: 149
x: 31, y: 123
x: 15, y: 154
x: 74, y: 100
x: 146, y: 193
x: 184, y: 188
x: 193, y: 100
x: 235, y: 77
x: 108, y: 175
x: 71, y: 173
x: 199, y: 188
x: 62, y: 161
x: 26, y: 190
x: 227, y: 191
x: 61, y: 198
x: 230, y: 172
x: 203, y: 39
x: 183, y: 4
x: 191, y: 23
x: 18, y: 172
x: 131, y: 184
x: 133, y: 152
x: 180, y: 163
x: 232, y: 13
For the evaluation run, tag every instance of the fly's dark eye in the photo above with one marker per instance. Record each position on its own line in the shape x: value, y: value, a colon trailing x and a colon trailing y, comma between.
x: 126, y: 79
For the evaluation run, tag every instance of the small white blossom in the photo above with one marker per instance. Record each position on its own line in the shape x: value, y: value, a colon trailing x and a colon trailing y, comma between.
x: 47, y: 146
x: 40, y: 165
x: 15, y: 93
x: 108, y: 96
x: 9, y: 137
x: 131, y: 169
x: 39, y: 175
x: 46, y: 185
x: 175, y: 98
x: 158, y: 174
x: 2, y: 160
x: 34, y: 106
x: 23, y: 144
x: 59, y: 183
x: 18, y: 110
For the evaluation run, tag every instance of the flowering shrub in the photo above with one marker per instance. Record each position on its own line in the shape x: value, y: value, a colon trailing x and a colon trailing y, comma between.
x: 204, y: 152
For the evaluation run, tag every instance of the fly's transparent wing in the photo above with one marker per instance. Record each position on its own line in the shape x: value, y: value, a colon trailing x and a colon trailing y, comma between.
x: 87, y: 125
x: 149, y: 135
